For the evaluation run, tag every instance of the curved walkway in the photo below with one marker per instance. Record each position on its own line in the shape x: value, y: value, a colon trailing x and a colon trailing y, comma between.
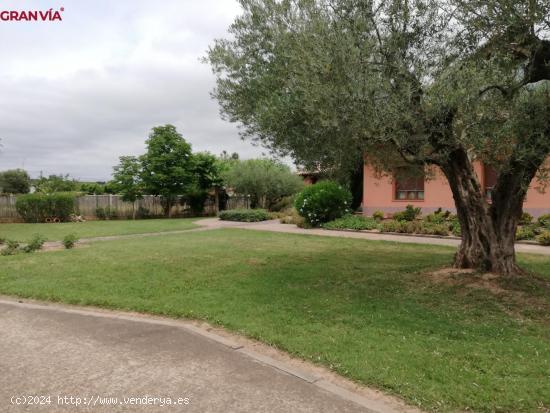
x: 276, y: 226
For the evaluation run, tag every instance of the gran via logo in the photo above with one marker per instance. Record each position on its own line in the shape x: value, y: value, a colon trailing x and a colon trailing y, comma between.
x: 36, y: 15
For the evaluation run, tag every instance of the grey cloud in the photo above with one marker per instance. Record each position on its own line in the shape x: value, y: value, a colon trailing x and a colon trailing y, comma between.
x: 77, y: 95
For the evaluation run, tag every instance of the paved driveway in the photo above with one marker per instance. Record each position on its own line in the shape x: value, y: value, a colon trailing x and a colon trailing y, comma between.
x: 99, y: 358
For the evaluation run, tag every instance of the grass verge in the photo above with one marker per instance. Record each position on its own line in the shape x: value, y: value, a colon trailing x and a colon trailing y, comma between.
x: 365, y: 309
x: 56, y: 232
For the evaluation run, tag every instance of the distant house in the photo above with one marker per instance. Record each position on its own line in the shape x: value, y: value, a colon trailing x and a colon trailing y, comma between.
x: 392, y: 193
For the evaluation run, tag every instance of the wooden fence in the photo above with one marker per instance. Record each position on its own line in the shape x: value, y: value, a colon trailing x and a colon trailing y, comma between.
x: 89, y: 205
x: 7, y: 209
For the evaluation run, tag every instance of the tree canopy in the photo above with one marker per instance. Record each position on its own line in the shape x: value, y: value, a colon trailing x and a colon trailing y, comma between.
x: 15, y: 181
x: 424, y: 82
x: 56, y: 183
x: 167, y: 164
x: 266, y: 181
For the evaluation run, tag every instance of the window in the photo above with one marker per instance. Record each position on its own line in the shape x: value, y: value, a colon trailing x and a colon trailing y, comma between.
x: 489, y: 179
x: 409, y: 185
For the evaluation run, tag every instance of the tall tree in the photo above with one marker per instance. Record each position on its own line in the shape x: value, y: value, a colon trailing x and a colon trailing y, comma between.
x: 15, y: 181
x: 208, y: 176
x: 167, y: 165
x: 127, y: 180
x: 427, y: 82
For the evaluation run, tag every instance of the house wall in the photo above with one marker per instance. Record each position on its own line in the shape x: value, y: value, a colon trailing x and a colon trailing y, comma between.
x: 379, y: 194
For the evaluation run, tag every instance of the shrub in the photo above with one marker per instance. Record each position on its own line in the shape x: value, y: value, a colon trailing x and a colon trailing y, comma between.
x: 525, y: 233
x: 291, y: 216
x: 106, y: 213
x: 282, y: 204
x: 409, y: 214
x: 143, y: 213
x: 245, y: 215
x: 390, y: 226
x: 354, y: 222
x: 438, y: 217
x: 323, y: 202
x: 435, y: 229
x: 37, y: 207
x: 544, y: 221
x: 456, y: 230
x: 100, y: 213
x: 2, y: 240
x: 378, y: 215
x: 410, y: 227
x: 12, y: 248
x: 35, y: 244
x: 69, y: 241
x: 544, y: 238
x: 526, y: 218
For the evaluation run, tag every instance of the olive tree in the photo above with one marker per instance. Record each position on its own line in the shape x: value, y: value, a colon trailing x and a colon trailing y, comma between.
x: 430, y: 83
x: 265, y: 181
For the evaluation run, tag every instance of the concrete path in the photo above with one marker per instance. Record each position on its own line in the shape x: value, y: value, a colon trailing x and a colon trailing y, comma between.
x: 276, y: 226
x: 101, y: 360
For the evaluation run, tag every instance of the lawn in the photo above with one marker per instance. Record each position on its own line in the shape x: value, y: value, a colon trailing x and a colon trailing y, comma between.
x: 56, y: 232
x: 366, y: 309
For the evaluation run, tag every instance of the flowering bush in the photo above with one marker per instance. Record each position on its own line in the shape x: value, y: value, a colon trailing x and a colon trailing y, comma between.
x: 323, y: 202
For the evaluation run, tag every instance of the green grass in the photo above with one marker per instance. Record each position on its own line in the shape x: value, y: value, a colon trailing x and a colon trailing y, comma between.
x: 365, y: 309
x: 56, y: 232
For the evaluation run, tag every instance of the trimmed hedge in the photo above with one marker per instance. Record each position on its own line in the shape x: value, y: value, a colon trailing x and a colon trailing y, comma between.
x: 245, y: 215
x: 37, y: 207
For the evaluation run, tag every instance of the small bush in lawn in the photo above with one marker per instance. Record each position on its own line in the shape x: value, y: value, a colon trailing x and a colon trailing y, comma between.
x: 69, y: 241
x: 35, y: 244
x: 524, y: 233
x: 409, y: 214
x: 354, y: 222
x: 323, y: 202
x: 378, y: 215
x: 526, y: 218
x: 12, y: 248
x: 544, y: 238
x: 37, y: 207
x: 544, y: 221
x: 390, y: 226
x: 2, y: 240
x: 245, y: 215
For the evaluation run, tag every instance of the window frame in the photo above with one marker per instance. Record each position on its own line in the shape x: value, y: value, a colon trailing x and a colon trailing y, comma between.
x: 416, y: 198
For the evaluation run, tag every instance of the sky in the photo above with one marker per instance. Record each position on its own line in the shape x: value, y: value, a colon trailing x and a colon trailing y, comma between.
x: 77, y: 94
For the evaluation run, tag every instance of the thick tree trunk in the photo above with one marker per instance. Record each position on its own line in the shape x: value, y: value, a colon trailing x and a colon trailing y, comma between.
x: 488, y: 231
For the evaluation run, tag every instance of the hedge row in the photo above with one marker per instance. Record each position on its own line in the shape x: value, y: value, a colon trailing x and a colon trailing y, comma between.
x: 37, y: 207
x: 245, y: 215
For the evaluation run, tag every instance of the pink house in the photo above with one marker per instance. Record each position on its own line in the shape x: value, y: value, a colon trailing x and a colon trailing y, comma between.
x: 389, y: 194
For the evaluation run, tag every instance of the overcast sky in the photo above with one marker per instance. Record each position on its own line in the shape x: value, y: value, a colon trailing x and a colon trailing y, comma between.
x: 77, y: 94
